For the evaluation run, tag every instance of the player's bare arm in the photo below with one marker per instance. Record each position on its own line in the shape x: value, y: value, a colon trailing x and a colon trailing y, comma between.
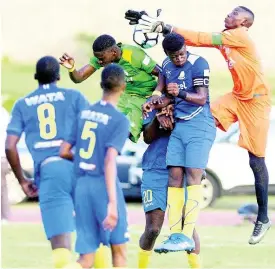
x: 66, y: 151
x: 14, y: 161
x: 77, y: 76
x: 110, y: 171
x: 198, y: 98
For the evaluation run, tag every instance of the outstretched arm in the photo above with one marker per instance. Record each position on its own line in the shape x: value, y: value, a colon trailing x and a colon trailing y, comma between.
x: 77, y: 76
x: 203, y: 39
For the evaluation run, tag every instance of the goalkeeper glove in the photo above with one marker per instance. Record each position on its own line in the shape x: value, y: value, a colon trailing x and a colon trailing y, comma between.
x: 148, y: 24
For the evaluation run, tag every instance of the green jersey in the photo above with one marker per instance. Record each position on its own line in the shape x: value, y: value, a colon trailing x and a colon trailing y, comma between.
x: 138, y: 67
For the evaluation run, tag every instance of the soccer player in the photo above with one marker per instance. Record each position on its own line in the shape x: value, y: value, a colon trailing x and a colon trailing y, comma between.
x: 154, y: 187
x: 41, y: 115
x: 98, y: 136
x: 250, y: 100
x: 139, y: 69
x: 185, y: 77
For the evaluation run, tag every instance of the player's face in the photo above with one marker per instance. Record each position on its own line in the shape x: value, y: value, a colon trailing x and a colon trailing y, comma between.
x: 235, y: 19
x: 179, y: 57
x: 106, y: 57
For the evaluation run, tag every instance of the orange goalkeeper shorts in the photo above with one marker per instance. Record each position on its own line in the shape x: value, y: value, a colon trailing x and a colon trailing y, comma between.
x: 253, y: 117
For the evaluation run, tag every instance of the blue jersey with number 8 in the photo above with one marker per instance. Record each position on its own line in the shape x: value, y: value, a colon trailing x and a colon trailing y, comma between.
x: 43, y: 115
x: 99, y: 127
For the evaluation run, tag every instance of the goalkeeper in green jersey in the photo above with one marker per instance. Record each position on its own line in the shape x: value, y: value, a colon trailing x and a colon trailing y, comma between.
x: 140, y: 70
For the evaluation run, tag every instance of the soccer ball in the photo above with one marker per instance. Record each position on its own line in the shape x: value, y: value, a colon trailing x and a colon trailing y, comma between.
x: 146, y: 41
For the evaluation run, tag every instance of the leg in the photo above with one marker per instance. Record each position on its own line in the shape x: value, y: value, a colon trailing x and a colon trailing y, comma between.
x: 4, y: 190
x: 154, y: 199
x: 260, y: 172
x: 154, y: 222
x: 254, y: 125
x: 131, y: 106
x: 194, y: 192
x: 56, y: 203
x: 119, y: 255
x: 193, y: 256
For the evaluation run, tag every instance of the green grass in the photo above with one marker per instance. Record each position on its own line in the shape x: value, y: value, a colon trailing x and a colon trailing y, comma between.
x: 17, y: 81
x: 24, y: 246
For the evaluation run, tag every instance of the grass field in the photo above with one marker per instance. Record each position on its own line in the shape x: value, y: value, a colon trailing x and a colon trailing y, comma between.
x: 24, y: 245
x: 17, y: 81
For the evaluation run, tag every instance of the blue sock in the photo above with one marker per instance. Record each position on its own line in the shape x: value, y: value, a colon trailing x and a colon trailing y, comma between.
x: 260, y: 172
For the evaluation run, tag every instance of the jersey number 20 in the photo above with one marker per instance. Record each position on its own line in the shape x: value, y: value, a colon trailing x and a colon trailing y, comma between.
x: 47, y: 124
x: 88, y: 133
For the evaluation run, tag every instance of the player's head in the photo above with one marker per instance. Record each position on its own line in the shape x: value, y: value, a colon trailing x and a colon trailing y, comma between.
x: 106, y: 50
x: 113, y: 79
x: 238, y: 17
x: 47, y: 70
x: 174, y: 46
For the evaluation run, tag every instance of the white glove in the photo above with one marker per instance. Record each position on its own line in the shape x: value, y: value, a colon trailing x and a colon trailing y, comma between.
x: 154, y: 25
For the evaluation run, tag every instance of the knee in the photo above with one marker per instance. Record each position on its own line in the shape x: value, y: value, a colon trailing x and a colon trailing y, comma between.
x: 119, y: 255
x: 175, y: 177
x: 153, y: 232
x: 256, y: 163
x: 86, y: 260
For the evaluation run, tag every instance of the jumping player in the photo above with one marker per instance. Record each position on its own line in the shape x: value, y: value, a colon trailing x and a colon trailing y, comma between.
x: 154, y: 187
x: 139, y: 70
x: 250, y: 100
x: 98, y: 136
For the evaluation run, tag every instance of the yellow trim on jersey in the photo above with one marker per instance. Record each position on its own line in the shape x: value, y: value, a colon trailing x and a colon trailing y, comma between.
x: 127, y: 55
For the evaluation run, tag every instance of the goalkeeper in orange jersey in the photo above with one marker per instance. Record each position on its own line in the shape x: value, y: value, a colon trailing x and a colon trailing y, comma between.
x: 249, y: 103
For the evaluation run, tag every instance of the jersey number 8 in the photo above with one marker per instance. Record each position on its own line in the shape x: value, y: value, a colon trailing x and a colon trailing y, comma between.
x: 47, y: 124
x: 88, y: 133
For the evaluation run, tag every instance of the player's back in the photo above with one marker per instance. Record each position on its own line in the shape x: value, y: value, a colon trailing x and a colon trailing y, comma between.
x: 99, y: 127
x: 44, y: 114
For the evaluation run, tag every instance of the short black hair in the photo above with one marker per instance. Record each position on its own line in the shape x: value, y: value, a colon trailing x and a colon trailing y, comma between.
x: 103, y: 42
x: 47, y: 70
x: 112, y: 76
x: 173, y: 42
x: 248, y: 11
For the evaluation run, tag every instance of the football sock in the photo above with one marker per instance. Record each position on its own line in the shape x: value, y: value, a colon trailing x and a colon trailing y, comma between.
x: 260, y: 172
x: 101, y: 257
x: 194, y: 261
x: 74, y: 265
x: 144, y: 258
x: 61, y: 257
x: 175, y: 202
x: 192, y: 209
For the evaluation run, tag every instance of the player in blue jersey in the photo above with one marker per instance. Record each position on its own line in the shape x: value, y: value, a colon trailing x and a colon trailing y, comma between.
x: 186, y: 79
x: 154, y: 187
x: 98, y: 136
x: 41, y: 115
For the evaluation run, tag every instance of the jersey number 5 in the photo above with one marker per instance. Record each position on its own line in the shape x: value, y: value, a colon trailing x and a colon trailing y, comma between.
x: 47, y: 124
x: 88, y: 133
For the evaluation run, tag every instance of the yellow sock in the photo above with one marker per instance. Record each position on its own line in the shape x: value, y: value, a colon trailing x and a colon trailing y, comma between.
x: 192, y: 209
x: 101, y: 257
x: 194, y: 261
x: 144, y: 258
x: 175, y: 201
x: 74, y: 265
x: 61, y: 257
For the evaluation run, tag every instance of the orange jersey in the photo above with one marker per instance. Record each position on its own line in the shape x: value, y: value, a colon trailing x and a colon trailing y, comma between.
x: 240, y: 54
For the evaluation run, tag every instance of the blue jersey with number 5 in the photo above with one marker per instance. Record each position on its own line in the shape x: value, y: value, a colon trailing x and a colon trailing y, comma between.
x: 42, y: 115
x: 99, y: 127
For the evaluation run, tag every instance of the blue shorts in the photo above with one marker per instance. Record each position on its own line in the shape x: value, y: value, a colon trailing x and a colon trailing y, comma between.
x: 190, y: 143
x: 154, y: 189
x: 56, y: 190
x: 91, y: 201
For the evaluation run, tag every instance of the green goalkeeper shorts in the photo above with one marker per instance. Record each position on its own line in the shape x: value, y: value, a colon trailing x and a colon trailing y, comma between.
x: 130, y: 105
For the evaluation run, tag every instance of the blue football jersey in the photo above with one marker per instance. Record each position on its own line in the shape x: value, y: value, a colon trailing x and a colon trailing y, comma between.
x: 42, y: 116
x: 195, y: 72
x: 155, y: 155
x: 98, y: 128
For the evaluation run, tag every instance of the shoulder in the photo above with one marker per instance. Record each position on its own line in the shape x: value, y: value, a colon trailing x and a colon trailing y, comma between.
x: 132, y: 53
x: 198, y: 63
x: 166, y: 63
